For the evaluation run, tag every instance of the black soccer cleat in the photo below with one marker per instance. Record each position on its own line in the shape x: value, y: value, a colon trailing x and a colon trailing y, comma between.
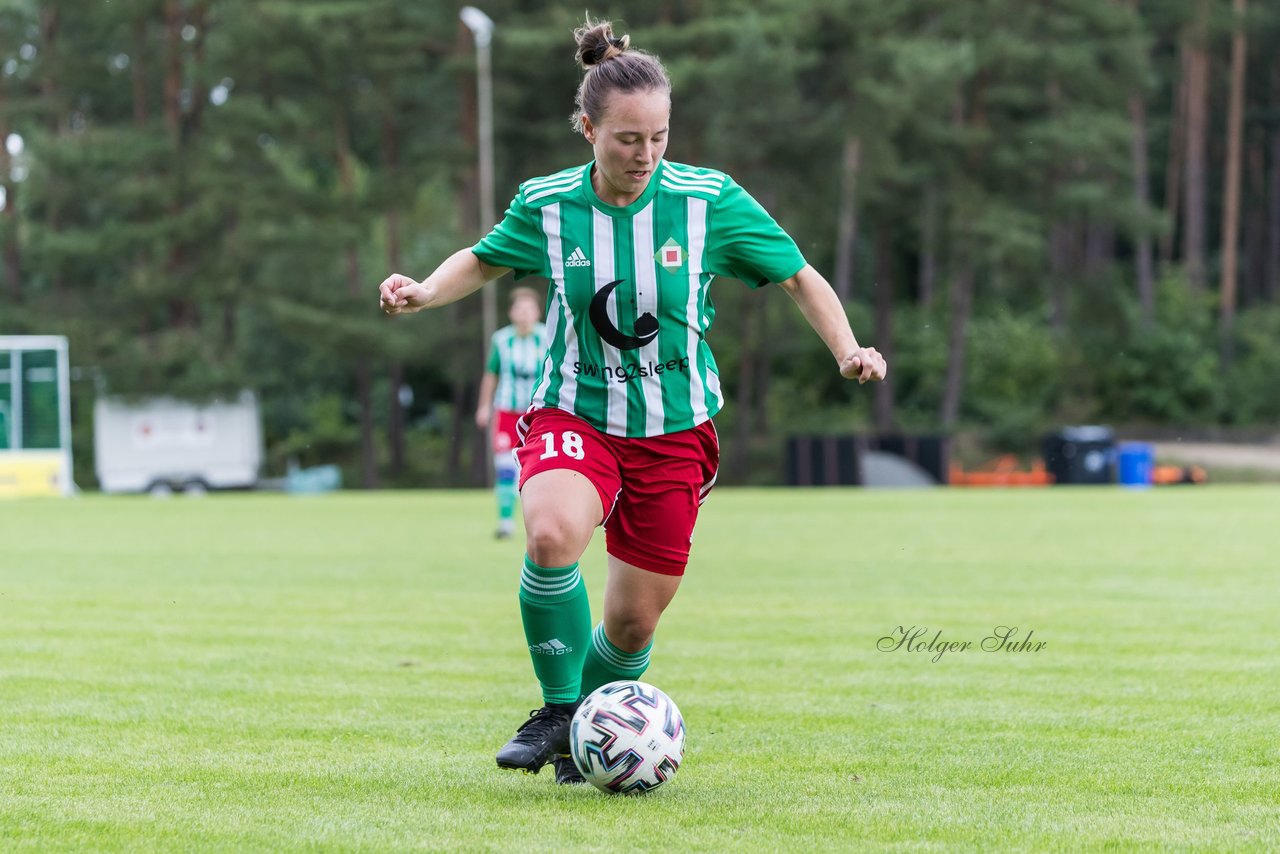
x: 567, y: 773
x: 543, y: 736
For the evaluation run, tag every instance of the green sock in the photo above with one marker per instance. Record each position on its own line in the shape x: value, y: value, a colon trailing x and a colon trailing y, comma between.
x: 557, y: 626
x: 606, y: 663
x: 506, y: 494
x: 504, y: 488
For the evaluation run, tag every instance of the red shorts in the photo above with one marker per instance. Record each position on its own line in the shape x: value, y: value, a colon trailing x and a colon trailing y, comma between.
x: 504, y: 430
x: 650, y: 489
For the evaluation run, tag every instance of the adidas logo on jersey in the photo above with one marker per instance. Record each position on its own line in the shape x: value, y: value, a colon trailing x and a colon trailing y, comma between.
x: 551, y: 647
x: 577, y: 259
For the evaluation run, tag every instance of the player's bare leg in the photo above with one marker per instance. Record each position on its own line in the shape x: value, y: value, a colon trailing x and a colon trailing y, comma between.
x: 634, y: 599
x: 561, y: 512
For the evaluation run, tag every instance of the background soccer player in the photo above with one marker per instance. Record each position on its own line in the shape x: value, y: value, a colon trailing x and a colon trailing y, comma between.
x: 515, y: 357
x: 620, y: 426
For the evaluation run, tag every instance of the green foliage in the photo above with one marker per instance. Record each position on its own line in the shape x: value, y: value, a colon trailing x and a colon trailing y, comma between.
x: 194, y: 245
x: 1165, y: 372
x: 918, y: 364
x: 1013, y: 378
x: 1251, y: 389
x: 324, y: 433
x: 807, y: 392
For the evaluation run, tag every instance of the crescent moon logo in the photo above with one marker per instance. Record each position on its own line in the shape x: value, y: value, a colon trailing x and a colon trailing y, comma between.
x: 646, y: 325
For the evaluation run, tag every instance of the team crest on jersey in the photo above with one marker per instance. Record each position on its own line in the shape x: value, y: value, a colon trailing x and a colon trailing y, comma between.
x: 670, y: 256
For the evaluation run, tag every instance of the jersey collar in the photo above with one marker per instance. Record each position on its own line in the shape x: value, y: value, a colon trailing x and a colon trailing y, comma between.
x: 630, y: 210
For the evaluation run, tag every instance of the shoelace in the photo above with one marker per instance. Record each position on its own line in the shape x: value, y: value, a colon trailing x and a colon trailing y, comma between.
x: 540, y: 724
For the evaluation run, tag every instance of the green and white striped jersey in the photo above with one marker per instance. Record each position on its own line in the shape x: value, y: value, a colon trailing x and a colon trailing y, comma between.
x: 628, y: 307
x: 517, y: 361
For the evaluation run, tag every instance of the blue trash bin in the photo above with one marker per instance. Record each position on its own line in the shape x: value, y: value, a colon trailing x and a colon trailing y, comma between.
x: 1135, y: 462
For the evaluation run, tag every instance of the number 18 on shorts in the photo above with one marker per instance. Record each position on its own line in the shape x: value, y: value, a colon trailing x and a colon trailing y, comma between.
x: 649, y: 488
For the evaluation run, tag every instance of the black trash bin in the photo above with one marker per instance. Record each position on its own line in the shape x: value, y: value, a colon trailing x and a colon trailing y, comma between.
x: 1080, y: 455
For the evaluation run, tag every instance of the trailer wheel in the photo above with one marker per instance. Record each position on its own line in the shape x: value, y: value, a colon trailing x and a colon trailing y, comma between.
x: 160, y: 489
x: 194, y: 488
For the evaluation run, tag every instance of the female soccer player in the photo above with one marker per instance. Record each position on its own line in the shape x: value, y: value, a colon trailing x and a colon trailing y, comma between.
x: 619, y: 430
x: 515, y: 357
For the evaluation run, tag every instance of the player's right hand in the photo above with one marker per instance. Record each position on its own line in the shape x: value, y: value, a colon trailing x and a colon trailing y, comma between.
x: 864, y: 365
x: 401, y: 295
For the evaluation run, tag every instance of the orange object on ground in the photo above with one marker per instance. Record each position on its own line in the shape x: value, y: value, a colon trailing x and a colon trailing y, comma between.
x: 1002, y: 471
x: 1166, y: 475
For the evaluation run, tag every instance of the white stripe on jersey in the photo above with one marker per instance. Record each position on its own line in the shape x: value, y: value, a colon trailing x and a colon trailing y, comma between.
x: 559, y: 306
x: 713, y: 385
x: 532, y: 195
x: 712, y: 183
x: 554, y: 311
x: 557, y: 178
x: 680, y: 189
x: 695, y: 180
x: 647, y: 301
x: 686, y: 169
x: 697, y: 210
x: 602, y: 256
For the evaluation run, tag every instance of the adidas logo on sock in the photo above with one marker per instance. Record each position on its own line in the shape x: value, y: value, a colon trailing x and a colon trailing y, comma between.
x: 577, y: 259
x: 551, y: 647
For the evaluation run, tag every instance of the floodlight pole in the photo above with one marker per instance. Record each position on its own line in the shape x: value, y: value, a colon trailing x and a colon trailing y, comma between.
x: 481, y: 26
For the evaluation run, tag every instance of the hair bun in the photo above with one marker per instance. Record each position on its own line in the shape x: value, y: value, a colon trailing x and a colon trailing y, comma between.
x: 597, y: 43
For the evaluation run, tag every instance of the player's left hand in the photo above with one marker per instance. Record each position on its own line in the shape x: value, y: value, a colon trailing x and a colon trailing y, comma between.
x: 864, y: 364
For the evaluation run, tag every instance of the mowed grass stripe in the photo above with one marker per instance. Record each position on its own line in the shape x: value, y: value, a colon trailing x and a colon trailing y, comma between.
x: 256, y: 672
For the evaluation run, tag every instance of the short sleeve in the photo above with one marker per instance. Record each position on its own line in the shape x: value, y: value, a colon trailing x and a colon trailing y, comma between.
x: 516, y: 242
x: 744, y: 242
x: 494, y: 363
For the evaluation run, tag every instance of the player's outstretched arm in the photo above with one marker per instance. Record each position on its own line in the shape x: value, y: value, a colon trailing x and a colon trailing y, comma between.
x: 462, y: 273
x: 821, y: 307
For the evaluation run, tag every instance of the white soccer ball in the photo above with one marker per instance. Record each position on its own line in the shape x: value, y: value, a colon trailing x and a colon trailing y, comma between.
x: 627, y: 738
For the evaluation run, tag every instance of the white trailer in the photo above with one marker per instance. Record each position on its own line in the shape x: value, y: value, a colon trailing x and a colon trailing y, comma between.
x: 164, y: 445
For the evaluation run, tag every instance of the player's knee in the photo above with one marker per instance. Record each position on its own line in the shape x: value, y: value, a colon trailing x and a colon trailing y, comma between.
x: 553, y: 539
x: 631, y: 632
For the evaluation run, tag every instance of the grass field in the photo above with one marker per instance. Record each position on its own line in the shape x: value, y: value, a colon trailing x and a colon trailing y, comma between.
x: 276, y: 674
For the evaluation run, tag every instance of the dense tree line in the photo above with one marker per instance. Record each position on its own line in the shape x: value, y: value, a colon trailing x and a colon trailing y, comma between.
x: 1040, y: 212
